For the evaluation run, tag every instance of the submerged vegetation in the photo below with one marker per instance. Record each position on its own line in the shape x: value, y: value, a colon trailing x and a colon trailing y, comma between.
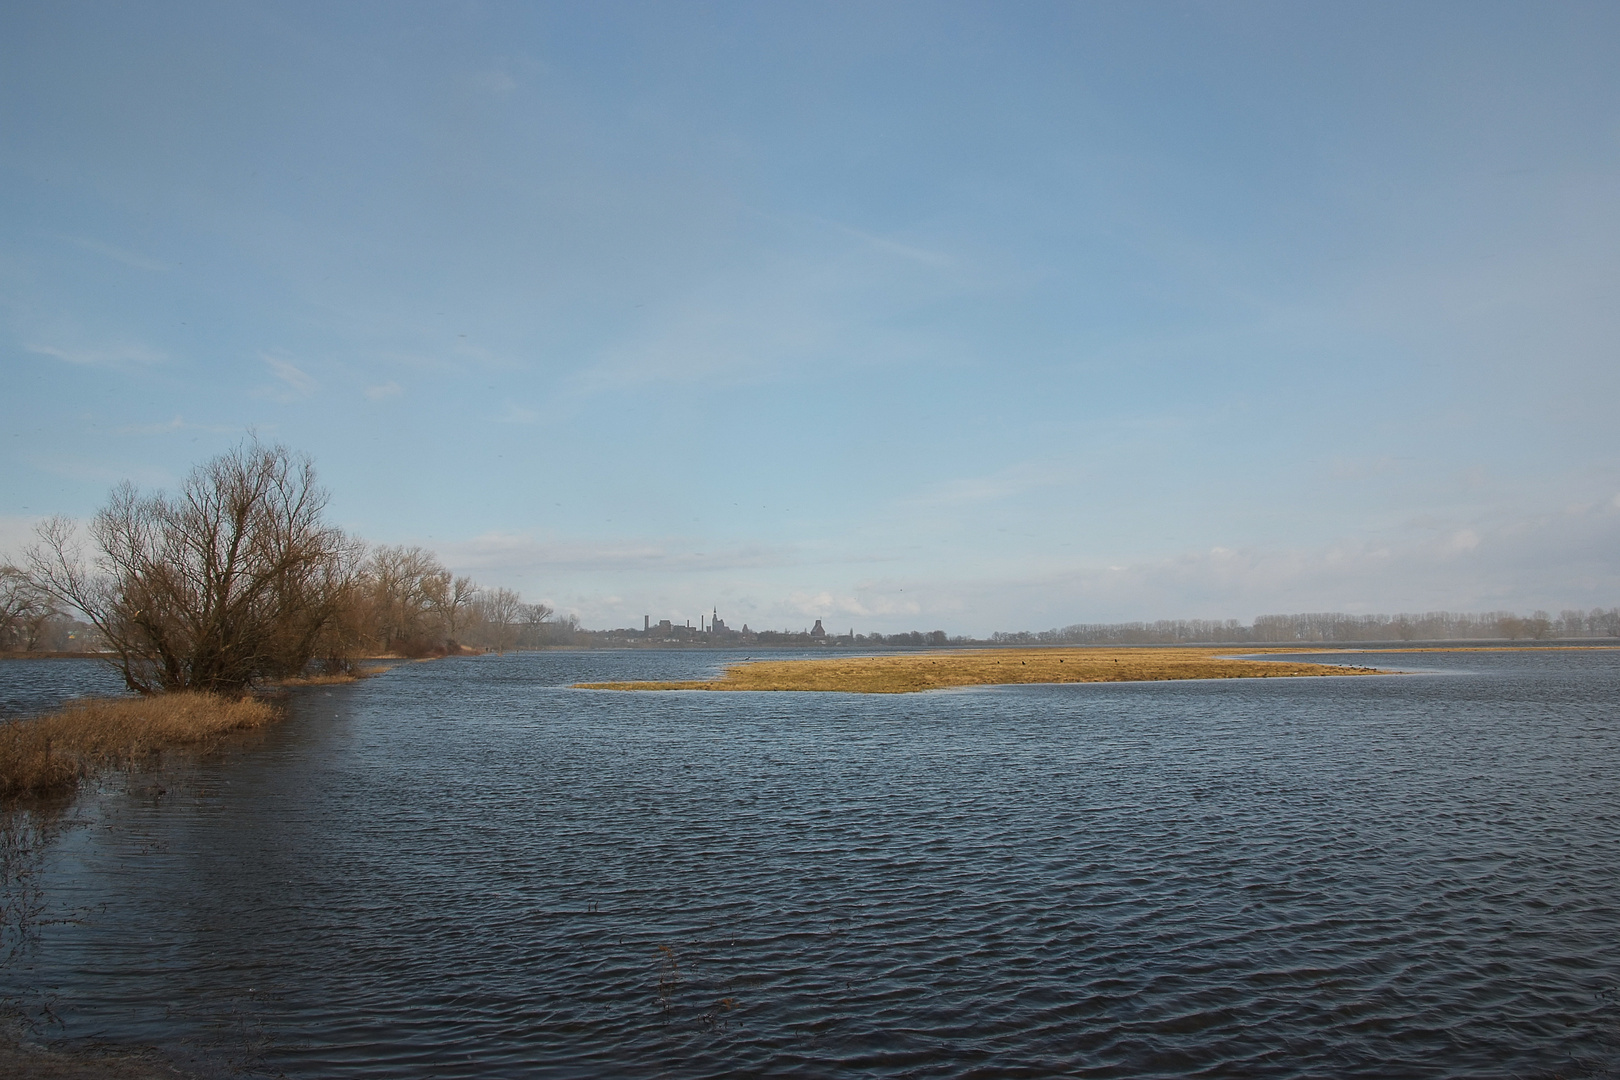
x: 911, y: 672
x: 46, y: 756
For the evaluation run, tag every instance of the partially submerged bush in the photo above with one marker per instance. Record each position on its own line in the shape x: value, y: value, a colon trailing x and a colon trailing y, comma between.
x: 47, y: 755
x: 32, y: 766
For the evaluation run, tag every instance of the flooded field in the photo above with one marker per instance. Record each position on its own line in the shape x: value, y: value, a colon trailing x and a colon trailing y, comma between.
x: 467, y: 868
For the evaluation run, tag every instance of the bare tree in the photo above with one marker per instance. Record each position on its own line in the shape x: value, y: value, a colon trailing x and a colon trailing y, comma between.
x: 407, y: 587
x: 501, y: 610
x: 233, y: 580
x: 25, y: 609
x: 452, y: 599
x: 533, y: 615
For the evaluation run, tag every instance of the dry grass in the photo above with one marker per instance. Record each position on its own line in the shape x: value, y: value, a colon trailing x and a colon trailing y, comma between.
x: 323, y: 680
x: 335, y: 678
x: 912, y: 672
x: 47, y: 755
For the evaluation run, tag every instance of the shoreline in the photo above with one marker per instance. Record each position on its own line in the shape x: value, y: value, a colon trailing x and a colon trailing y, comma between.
x: 913, y: 673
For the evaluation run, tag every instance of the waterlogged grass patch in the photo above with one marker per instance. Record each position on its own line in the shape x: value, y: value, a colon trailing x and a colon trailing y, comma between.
x: 47, y: 755
x: 336, y: 678
x: 913, y: 672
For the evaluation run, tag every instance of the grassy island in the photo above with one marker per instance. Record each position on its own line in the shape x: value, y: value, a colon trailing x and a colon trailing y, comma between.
x: 911, y: 672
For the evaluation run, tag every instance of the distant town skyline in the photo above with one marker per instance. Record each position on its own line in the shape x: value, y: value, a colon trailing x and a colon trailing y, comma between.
x: 960, y: 315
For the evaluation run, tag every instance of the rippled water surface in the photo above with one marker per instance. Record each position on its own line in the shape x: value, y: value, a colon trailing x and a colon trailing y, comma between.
x: 464, y: 868
x: 28, y: 687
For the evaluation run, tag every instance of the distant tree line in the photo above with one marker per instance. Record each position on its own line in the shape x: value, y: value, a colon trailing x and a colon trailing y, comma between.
x: 237, y: 579
x: 913, y: 637
x: 1332, y: 627
x: 661, y: 636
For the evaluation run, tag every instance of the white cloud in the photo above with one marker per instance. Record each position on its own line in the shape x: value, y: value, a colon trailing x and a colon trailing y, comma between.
x: 1463, y: 540
x: 381, y: 391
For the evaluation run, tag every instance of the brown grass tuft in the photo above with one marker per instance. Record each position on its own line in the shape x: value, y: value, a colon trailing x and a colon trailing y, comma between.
x: 333, y: 678
x: 911, y: 672
x: 47, y: 755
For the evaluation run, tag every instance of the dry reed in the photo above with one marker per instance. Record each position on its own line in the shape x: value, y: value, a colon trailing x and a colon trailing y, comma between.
x: 335, y: 678
x: 47, y: 755
x: 911, y: 672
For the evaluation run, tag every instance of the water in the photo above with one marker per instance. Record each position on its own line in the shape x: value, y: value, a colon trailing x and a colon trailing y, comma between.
x: 464, y: 868
x: 33, y: 686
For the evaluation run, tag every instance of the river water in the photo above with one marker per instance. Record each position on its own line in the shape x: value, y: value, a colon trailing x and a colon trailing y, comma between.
x: 467, y: 869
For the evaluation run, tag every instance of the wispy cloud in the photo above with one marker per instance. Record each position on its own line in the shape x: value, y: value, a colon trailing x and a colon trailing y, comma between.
x: 382, y: 391
x: 794, y: 310
x: 118, y: 254
x: 909, y: 252
x: 167, y: 427
x: 508, y: 551
x: 825, y: 604
x: 1002, y: 484
x: 705, y: 341
x: 93, y: 471
x: 496, y: 82
x: 109, y: 355
x: 295, y: 382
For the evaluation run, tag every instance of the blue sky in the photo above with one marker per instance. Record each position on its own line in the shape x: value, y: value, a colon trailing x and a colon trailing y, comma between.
x: 967, y: 316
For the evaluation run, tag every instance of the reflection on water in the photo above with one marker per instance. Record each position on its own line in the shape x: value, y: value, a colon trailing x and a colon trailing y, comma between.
x: 465, y: 868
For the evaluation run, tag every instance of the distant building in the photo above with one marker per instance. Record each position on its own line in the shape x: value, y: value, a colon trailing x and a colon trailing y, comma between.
x: 711, y: 630
x: 817, y: 633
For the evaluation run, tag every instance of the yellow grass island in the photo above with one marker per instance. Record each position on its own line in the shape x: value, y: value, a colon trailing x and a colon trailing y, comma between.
x: 911, y: 672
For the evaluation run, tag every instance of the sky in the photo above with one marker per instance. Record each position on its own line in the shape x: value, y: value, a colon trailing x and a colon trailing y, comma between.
x: 970, y: 317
